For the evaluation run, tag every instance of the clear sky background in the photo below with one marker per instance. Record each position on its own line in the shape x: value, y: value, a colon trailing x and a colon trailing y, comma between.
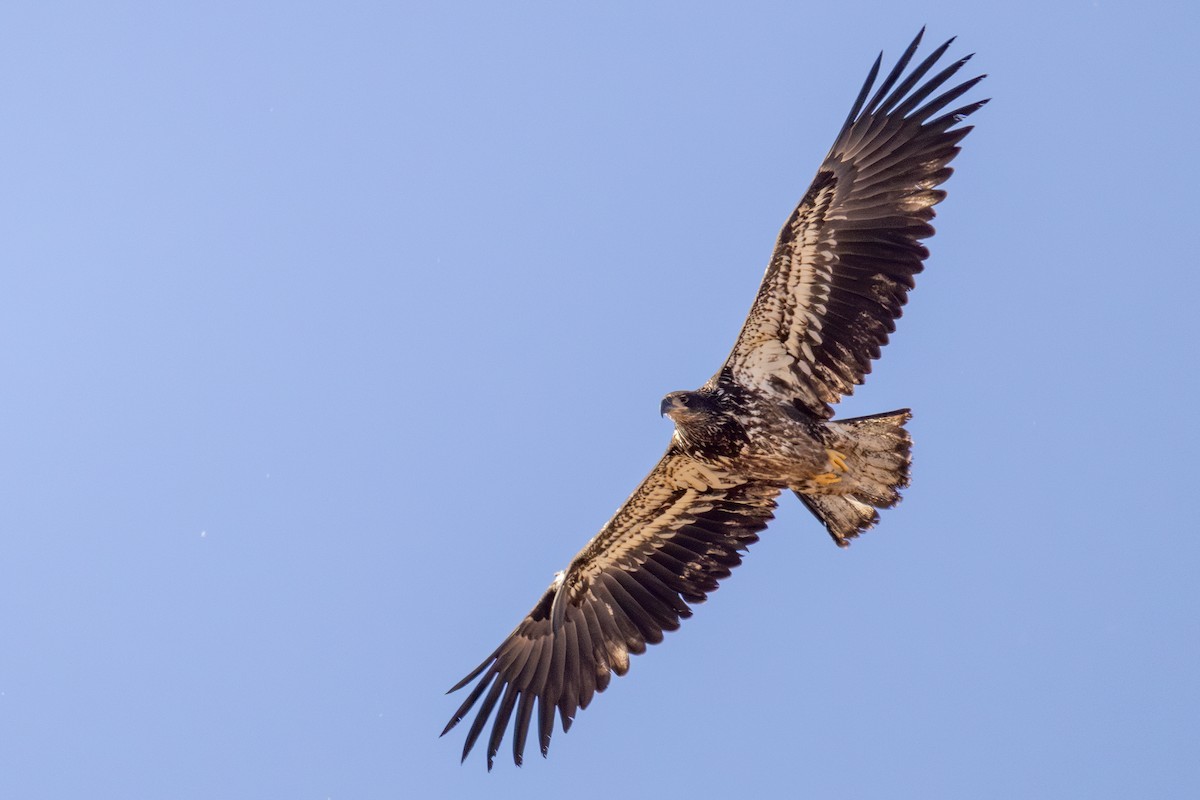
x: 331, y: 331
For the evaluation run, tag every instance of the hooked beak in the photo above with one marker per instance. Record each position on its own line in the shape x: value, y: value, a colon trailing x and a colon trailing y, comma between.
x: 669, y: 404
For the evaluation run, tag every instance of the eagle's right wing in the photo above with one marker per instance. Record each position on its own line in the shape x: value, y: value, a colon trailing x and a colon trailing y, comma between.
x: 845, y: 259
x: 680, y: 532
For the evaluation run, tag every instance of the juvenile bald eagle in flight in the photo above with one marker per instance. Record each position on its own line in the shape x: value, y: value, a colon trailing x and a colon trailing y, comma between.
x: 837, y: 280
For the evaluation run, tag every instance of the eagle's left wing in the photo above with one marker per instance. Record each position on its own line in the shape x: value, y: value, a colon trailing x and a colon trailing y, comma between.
x: 680, y: 532
x: 845, y: 259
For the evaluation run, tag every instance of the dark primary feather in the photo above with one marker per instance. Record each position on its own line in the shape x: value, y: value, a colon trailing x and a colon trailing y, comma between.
x: 846, y: 257
x: 681, y: 532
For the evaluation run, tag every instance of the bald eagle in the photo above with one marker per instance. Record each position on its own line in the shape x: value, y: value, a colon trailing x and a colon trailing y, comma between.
x: 836, y: 282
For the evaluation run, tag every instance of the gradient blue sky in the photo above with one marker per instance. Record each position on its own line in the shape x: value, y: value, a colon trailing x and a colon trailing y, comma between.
x: 331, y: 331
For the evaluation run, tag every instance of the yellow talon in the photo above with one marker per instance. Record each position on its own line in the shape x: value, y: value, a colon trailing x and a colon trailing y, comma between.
x: 825, y: 479
x: 837, y: 459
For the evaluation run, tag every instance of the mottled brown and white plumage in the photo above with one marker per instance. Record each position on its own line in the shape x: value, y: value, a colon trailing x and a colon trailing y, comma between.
x: 839, y: 276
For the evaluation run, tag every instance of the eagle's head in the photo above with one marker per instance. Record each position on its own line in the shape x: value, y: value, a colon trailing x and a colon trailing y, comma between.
x: 684, y: 407
x: 705, y: 420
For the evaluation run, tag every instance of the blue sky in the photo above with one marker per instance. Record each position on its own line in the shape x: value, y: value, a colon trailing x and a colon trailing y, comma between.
x: 331, y: 332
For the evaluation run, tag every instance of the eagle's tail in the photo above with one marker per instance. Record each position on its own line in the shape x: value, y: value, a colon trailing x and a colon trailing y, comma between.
x: 877, y: 455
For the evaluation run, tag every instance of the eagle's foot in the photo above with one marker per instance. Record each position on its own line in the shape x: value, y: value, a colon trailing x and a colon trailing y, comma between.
x: 837, y: 464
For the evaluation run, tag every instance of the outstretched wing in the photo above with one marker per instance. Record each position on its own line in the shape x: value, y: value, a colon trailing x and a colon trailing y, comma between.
x: 679, y: 533
x: 845, y: 259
